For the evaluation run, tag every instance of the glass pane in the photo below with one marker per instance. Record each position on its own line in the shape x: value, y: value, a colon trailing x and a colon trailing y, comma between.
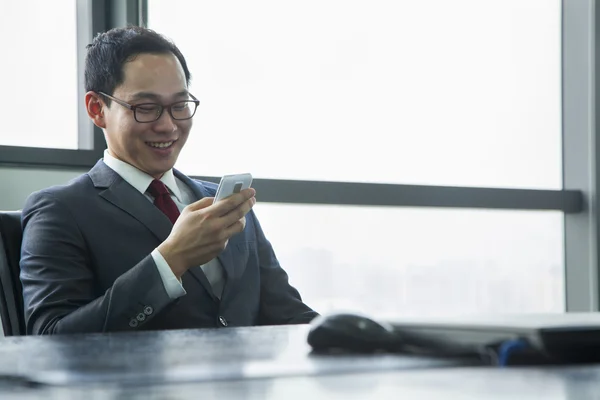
x: 39, y: 77
x: 419, y: 261
x: 462, y: 92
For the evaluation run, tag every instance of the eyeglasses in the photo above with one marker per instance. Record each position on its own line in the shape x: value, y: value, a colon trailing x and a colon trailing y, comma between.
x: 150, y: 112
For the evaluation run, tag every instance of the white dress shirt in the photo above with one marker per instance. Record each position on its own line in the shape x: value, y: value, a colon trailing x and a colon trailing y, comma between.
x: 182, y: 195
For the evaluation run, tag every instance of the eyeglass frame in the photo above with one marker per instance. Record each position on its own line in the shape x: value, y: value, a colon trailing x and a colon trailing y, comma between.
x: 133, y: 107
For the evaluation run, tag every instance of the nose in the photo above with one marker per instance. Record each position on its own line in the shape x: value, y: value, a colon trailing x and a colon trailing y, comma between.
x: 165, y: 123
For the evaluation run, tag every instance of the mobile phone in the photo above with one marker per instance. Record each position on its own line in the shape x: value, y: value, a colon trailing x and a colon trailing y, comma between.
x: 231, y: 184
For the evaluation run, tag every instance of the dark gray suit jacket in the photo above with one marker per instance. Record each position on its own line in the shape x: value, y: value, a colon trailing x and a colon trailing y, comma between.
x: 86, y: 265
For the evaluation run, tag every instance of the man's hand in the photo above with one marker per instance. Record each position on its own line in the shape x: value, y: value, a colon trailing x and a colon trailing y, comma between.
x: 203, y: 229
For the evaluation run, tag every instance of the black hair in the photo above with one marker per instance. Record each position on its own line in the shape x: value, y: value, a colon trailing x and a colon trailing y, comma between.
x: 110, y: 50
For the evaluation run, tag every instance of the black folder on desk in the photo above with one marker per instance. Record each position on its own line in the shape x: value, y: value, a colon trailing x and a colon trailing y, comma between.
x: 514, y: 339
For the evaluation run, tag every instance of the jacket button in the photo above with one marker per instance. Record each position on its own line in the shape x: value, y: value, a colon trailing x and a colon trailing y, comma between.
x: 133, y: 323
x: 141, y: 317
x: 222, y: 320
x: 148, y: 310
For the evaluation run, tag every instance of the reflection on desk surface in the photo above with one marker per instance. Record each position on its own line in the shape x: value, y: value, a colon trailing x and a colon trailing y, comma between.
x: 257, y: 363
x: 185, y: 356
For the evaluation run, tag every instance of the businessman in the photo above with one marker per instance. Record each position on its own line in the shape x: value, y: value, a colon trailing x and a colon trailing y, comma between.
x: 135, y: 244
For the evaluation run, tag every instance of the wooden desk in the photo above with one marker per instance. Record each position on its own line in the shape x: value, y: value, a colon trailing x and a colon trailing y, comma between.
x: 257, y: 363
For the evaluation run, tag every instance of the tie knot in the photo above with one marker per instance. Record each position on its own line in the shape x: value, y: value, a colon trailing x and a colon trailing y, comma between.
x: 157, y: 188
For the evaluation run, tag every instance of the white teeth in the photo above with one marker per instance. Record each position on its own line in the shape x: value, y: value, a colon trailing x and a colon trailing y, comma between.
x: 160, y: 145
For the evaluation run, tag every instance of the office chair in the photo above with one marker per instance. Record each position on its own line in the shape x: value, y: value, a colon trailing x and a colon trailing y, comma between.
x: 11, y: 291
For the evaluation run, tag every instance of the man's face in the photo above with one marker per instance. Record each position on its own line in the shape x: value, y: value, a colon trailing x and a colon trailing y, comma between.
x: 148, y: 78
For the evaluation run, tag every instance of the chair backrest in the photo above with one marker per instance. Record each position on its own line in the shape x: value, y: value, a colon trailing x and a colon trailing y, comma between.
x: 11, y: 291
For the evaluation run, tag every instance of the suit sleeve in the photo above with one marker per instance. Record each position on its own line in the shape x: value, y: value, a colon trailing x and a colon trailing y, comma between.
x: 59, y: 288
x: 280, y: 302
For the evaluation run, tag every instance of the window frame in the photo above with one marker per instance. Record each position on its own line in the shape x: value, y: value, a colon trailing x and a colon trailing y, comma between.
x: 581, y: 150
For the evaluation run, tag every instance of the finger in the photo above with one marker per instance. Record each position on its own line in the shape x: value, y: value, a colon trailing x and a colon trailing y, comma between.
x: 237, y: 213
x: 242, y: 220
x: 232, y: 202
x: 225, y: 232
x: 234, y: 228
x: 218, y: 247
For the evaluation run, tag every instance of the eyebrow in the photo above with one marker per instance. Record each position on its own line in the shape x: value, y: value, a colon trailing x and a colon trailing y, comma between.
x: 154, y: 96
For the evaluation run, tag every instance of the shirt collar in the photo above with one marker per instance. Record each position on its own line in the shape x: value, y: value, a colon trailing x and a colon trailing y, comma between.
x: 138, y: 179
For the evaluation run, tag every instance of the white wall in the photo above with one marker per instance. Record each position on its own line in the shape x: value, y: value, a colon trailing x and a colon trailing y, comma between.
x: 18, y: 183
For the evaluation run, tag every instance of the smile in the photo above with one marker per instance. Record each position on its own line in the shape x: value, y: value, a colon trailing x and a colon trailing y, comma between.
x: 161, y: 145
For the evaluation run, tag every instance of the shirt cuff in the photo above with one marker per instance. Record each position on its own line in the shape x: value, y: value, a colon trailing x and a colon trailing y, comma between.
x: 172, y: 285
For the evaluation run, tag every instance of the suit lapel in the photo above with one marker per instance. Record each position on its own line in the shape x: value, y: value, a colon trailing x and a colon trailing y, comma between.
x: 128, y: 199
x: 226, y: 256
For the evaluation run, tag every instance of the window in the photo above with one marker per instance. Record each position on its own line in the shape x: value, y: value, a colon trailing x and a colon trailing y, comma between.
x: 462, y: 92
x: 419, y: 261
x: 39, y: 106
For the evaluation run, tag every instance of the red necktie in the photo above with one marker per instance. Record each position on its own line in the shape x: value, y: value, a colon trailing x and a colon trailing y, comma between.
x: 163, y: 200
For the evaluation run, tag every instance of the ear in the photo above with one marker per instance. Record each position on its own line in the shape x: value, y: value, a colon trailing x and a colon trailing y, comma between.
x: 95, y: 106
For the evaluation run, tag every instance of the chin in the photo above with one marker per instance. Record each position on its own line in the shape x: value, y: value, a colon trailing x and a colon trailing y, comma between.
x: 161, y: 171
x: 156, y: 170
